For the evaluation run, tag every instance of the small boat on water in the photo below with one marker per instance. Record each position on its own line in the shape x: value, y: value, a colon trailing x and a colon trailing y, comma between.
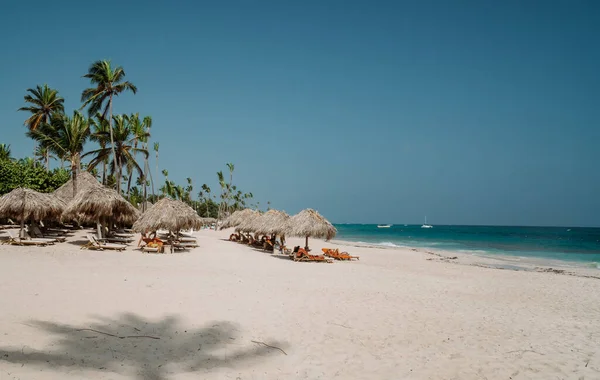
x: 426, y: 225
x: 384, y: 225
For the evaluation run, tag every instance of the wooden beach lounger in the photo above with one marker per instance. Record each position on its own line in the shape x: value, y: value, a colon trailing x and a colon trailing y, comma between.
x: 35, y: 233
x: 147, y: 249
x: 95, y: 244
x: 114, y: 239
x: 302, y: 255
x: 19, y: 241
x: 336, y: 254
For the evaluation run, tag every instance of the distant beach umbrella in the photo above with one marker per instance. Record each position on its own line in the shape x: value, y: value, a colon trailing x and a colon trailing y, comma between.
x: 97, y: 203
x: 273, y: 222
x: 247, y: 224
x: 208, y: 221
x: 26, y: 204
x: 85, y: 181
x: 309, y: 223
x: 144, y: 206
x: 237, y: 218
x: 168, y: 214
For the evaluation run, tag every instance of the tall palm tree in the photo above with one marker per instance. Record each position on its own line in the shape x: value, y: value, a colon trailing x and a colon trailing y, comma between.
x: 206, y: 190
x: 42, y: 102
x: 223, y: 185
x: 65, y: 136
x: 231, y: 167
x: 125, y: 152
x: 101, y: 135
x: 5, y: 153
x: 141, y: 134
x: 109, y: 82
x: 42, y: 154
x: 156, y: 146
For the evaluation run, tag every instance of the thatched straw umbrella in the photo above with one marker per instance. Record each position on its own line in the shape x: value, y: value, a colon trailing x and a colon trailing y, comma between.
x: 273, y: 222
x: 97, y: 203
x: 25, y: 204
x: 237, y: 218
x: 309, y: 223
x: 169, y: 214
x: 145, y: 206
x: 85, y: 181
x: 247, y: 224
x: 208, y: 221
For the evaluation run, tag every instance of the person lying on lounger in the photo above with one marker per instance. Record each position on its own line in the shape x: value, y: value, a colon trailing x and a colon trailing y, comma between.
x: 151, y: 241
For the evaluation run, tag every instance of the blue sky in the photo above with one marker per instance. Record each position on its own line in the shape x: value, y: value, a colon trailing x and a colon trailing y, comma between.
x: 469, y: 112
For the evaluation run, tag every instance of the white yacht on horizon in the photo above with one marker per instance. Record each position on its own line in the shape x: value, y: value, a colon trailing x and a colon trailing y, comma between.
x: 426, y: 225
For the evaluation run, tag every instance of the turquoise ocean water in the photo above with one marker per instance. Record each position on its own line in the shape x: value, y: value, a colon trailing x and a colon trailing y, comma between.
x: 556, y: 243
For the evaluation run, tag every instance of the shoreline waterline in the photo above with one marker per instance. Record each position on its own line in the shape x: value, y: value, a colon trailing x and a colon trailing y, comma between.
x: 570, y: 247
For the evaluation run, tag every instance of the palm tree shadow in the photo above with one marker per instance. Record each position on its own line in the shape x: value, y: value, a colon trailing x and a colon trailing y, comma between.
x: 153, y: 349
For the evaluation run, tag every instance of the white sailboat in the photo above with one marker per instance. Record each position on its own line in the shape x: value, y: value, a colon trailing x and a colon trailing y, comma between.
x: 384, y: 225
x: 426, y: 225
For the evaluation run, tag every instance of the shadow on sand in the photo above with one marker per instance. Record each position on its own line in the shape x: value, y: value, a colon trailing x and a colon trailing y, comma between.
x: 152, y: 350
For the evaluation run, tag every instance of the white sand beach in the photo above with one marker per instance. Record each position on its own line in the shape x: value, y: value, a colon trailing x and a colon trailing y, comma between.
x: 227, y: 311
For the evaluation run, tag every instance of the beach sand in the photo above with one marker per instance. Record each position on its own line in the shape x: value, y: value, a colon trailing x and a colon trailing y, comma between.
x: 227, y: 311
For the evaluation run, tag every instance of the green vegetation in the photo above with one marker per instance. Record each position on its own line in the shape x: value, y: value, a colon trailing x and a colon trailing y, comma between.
x: 28, y: 173
x: 118, y: 146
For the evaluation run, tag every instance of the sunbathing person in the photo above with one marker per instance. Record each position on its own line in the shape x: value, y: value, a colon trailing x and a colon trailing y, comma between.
x: 152, y: 241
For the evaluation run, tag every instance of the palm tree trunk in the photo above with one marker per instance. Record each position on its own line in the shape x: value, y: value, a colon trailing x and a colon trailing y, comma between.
x: 104, y: 172
x: 129, y: 185
x: 156, y: 169
x: 112, y: 142
x: 74, y: 176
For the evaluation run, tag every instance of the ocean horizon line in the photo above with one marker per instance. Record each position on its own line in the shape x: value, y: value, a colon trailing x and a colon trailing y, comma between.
x: 466, y: 225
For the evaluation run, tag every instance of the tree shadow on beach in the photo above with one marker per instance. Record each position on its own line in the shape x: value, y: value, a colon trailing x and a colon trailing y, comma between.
x: 153, y: 349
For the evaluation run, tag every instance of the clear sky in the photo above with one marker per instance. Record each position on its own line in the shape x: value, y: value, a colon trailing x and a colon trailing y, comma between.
x: 469, y: 112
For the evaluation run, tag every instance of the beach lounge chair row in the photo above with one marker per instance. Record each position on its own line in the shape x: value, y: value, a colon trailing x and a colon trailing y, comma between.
x: 94, y: 243
x: 16, y: 240
x: 337, y: 255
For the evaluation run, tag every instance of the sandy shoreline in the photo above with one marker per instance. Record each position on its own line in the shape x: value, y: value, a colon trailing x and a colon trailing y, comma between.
x: 493, y: 261
x: 225, y: 311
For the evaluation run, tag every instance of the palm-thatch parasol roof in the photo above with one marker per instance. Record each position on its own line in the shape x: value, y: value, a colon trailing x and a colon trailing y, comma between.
x: 309, y: 223
x: 96, y: 203
x: 85, y: 181
x: 208, y: 221
x: 236, y: 218
x: 168, y: 214
x: 145, y: 206
x: 26, y: 204
x: 247, y: 224
x: 271, y: 222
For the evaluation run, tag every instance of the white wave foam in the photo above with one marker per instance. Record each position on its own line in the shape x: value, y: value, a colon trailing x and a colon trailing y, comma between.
x: 381, y: 244
x: 388, y: 244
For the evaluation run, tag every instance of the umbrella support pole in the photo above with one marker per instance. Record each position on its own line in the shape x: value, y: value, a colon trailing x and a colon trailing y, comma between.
x: 99, y: 228
x: 21, y: 232
x: 306, y: 245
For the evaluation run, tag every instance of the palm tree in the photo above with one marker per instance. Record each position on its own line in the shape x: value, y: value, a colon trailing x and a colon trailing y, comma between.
x: 141, y: 134
x: 123, y: 147
x: 109, y: 82
x: 100, y: 134
x: 231, y: 168
x: 42, y: 102
x: 156, y: 146
x: 188, y: 190
x: 5, y: 153
x: 65, y: 136
x: 42, y: 154
x: 221, y: 179
x: 206, y: 190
